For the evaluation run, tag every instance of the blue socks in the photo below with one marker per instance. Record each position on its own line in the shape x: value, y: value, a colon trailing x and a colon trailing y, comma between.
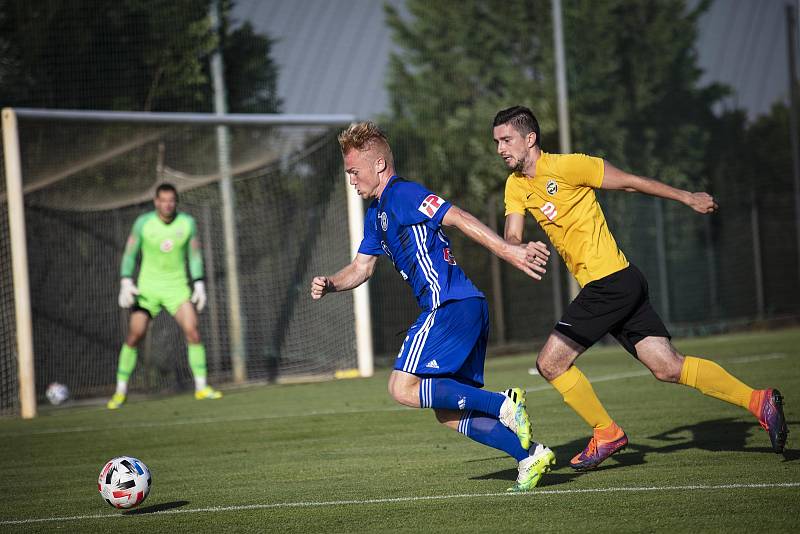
x: 491, y: 432
x: 449, y: 394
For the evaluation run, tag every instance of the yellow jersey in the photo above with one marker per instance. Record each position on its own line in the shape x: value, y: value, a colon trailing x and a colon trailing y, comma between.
x: 561, y: 198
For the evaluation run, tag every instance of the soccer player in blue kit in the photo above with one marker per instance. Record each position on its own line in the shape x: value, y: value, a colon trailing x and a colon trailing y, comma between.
x: 440, y: 364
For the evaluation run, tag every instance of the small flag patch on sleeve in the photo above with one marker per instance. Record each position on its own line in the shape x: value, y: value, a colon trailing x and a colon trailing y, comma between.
x: 431, y: 205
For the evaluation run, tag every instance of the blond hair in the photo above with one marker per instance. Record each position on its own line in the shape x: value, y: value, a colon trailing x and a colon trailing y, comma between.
x: 364, y: 136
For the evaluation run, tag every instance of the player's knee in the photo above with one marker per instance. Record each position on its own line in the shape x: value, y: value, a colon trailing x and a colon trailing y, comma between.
x: 403, y: 395
x: 548, y: 368
x: 133, y: 339
x: 539, y: 368
x: 667, y: 372
x: 193, y: 336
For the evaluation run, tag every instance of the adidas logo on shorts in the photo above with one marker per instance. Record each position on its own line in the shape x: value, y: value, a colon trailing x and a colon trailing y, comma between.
x: 432, y: 364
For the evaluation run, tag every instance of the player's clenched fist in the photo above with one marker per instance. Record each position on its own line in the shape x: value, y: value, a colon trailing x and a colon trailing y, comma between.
x: 702, y: 203
x: 319, y: 287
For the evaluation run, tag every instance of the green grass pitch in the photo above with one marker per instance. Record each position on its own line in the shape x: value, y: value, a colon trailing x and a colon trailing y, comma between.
x: 343, y: 457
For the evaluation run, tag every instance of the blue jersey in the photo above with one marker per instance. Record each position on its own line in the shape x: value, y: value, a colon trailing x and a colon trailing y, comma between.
x: 405, y: 224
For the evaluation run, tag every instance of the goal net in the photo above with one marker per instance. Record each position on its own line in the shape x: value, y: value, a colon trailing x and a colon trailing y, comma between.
x: 86, y: 181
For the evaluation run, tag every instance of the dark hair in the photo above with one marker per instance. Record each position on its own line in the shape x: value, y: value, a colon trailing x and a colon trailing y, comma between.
x: 166, y: 186
x: 521, y: 119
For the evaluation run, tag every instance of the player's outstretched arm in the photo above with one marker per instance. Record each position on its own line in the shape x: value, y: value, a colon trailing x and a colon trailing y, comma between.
x: 353, y: 275
x: 614, y: 178
x: 529, y: 258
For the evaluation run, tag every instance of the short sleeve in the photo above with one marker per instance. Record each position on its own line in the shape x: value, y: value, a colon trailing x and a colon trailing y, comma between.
x: 514, y: 197
x: 581, y: 170
x: 413, y: 204
x: 371, y: 243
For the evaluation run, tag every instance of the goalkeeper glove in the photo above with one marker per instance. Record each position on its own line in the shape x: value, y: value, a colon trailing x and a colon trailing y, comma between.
x: 127, y: 292
x: 199, y: 295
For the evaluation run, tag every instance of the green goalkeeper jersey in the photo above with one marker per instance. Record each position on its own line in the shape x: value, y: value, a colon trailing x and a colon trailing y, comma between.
x: 165, y: 248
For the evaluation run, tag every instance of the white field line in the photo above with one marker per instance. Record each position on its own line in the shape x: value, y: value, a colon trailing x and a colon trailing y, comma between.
x: 758, y: 357
x: 392, y: 500
x: 232, y: 419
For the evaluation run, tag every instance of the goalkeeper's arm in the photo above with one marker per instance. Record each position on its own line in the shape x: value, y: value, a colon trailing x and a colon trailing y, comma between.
x: 351, y: 276
x: 127, y: 289
x: 196, y: 268
x: 132, y: 246
x: 195, y: 253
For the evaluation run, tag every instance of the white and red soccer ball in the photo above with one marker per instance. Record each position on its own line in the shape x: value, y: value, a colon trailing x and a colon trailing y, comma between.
x: 57, y: 393
x: 124, y: 482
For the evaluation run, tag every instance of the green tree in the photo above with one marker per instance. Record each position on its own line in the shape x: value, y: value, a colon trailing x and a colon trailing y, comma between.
x: 632, y: 77
x: 448, y: 78
x: 137, y: 55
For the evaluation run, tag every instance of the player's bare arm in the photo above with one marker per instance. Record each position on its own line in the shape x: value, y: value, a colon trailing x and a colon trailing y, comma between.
x: 352, y: 275
x: 529, y: 260
x: 617, y: 179
x: 515, y: 226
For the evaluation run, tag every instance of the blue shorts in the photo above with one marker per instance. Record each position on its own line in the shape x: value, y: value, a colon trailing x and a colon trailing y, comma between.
x: 448, y: 341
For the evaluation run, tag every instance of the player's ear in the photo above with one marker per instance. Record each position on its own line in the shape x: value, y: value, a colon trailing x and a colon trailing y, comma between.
x: 380, y: 164
x: 531, y: 139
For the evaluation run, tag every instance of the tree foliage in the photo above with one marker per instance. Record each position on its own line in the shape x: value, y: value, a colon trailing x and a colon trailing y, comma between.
x: 137, y: 55
x: 631, y: 71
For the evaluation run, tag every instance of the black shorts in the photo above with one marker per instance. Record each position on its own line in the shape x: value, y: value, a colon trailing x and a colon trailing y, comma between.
x: 618, y: 304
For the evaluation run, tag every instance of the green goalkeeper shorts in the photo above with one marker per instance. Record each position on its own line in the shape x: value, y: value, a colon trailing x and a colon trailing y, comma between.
x: 153, y: 297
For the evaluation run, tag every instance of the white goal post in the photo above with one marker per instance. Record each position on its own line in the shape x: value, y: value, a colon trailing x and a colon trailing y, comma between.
x: 15, y: 194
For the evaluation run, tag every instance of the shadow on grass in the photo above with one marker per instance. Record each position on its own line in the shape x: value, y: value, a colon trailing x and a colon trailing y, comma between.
x: 715, y: 435
x: 161, y: 507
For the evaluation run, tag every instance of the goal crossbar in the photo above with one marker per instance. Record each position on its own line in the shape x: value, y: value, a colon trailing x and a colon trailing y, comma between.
x: 148, y: 117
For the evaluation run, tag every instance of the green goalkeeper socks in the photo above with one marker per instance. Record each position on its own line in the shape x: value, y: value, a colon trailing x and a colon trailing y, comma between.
x: 127, y: 363
x: 197, y: 360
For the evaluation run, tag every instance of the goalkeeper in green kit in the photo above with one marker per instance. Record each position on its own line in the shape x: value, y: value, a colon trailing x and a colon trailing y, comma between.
x: 167, y: 239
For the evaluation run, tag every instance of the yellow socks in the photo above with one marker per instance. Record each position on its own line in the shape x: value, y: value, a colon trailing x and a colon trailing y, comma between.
x: 704, y: 375
x: 579, y: 395
x: 712, y: 380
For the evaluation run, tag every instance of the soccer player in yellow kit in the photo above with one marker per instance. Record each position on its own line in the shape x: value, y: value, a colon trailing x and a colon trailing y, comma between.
x: 558, y: 190
x: 167, y: 240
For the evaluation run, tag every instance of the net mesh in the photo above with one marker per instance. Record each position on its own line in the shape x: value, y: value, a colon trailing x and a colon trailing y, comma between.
x: 85, y: 185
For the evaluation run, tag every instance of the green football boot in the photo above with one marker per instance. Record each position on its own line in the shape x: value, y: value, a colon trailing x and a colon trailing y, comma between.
x: 207, y: 393
x: 514, y: 415
x: 532, y: 468
x: 116, y: 401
